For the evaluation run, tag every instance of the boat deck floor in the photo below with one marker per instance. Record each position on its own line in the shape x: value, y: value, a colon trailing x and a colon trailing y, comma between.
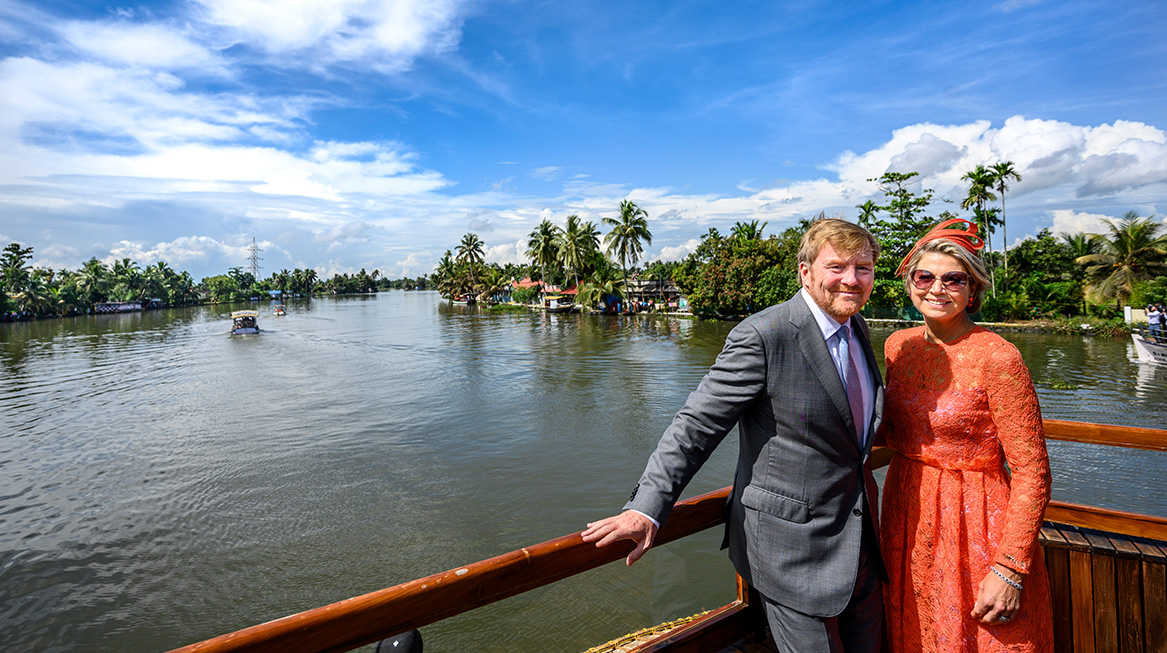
x: 765, y: 645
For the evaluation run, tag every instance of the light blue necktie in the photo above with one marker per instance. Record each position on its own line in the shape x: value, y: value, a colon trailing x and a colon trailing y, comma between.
x: 851, y: 381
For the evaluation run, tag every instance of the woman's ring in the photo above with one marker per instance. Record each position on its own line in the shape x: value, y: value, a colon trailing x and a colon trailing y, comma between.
x: 1002, y: 618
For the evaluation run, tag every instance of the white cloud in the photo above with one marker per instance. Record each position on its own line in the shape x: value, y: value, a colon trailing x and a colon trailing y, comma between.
x: 1068, y: 222
x: 546, y: 173
x: 679, y: 252
x: 507, y: 253
x: 295, y: 182
x: 416, y: 264
x: 137, y: 44
x: 386, y: 34
x: 1050, y: 155
x: 180, y: 250
x: 349, y: 232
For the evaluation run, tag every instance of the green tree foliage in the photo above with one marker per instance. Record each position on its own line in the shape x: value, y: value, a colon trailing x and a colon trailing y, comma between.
x: 1133, y: 250
x: 1043, y: 281
x: 739, y: 275
x: 603, y: 288
x: 14, y: 267
x: 1150, y: 292
x: 751, y: 230
x: 905, y: 222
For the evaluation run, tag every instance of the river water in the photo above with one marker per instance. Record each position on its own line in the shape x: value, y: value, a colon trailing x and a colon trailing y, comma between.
x: 162, y: 482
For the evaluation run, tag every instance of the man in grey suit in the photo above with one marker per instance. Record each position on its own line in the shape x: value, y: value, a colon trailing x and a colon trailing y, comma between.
x: 802, y: 523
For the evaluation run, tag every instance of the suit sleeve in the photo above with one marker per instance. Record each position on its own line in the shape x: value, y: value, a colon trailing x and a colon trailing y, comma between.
x: 737, y: 379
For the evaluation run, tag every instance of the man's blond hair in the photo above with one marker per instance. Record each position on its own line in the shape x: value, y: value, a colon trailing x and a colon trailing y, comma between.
x: 847, y: 238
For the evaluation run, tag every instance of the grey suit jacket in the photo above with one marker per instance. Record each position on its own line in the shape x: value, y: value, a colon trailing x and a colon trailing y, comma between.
x: 802, y: 493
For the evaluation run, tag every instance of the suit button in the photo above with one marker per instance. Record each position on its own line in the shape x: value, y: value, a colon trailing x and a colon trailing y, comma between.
x: 857, y: 512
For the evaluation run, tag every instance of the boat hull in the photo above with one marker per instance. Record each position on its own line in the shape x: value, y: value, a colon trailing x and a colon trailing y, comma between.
x: 1149, y: 349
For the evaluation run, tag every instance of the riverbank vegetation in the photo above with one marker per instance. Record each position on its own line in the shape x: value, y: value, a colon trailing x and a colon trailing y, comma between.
x: 1073, y: 283
x: 28, y: 292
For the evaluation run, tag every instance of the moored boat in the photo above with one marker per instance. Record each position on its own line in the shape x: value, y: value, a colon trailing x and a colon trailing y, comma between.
x: 117, y: 307
x: 244, y: 322
x: 559, y: 303
x: 1151, y: 349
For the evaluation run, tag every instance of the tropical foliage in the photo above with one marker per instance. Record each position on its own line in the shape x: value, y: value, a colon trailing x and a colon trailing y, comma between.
x: 1134, y: 249
x: 740, y: 274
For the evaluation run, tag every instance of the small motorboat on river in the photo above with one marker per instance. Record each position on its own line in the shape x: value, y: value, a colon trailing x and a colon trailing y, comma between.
x: 279, y: 309
x: 1151, y: 349
x: 244, y: 322
x: 1107, y: 571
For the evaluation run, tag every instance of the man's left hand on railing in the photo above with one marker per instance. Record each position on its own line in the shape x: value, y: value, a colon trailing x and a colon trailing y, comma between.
x: 628, y: 525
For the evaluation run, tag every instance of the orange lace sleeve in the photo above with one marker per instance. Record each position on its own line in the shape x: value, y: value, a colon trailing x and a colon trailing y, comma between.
x: 1017, y: 417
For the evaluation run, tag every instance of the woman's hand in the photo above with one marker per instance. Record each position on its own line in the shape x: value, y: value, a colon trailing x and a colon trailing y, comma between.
x: 997, y: 600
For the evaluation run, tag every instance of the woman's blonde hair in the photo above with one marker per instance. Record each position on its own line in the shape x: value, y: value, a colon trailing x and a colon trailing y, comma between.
x: 973, y: 266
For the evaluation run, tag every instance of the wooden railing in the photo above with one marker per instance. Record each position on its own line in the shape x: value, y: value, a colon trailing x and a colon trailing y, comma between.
x: 365, y: 619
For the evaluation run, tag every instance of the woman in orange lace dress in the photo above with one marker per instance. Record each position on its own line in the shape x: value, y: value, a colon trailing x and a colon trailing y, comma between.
x: 959, y: 530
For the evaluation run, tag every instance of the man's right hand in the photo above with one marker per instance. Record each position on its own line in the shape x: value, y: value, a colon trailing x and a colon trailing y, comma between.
x: 628, y: 525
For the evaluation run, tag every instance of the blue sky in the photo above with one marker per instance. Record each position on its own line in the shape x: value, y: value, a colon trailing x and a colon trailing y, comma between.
x: 348, y: 134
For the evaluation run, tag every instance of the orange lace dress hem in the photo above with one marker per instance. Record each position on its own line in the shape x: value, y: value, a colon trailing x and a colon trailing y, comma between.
x: 955, y: 413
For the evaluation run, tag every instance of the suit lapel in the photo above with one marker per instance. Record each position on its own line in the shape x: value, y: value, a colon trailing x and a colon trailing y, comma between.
x: 814, y: 349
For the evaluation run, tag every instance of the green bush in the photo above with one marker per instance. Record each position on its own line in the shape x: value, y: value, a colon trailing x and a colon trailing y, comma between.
x: 1149, y: 292
x: 525, y: 295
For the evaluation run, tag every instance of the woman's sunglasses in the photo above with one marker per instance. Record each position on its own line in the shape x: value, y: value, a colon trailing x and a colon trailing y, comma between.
x: 953, y: 281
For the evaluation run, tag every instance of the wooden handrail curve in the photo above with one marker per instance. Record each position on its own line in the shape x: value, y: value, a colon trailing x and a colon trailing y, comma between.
x: 1133, y: 437
x: 374, y: 616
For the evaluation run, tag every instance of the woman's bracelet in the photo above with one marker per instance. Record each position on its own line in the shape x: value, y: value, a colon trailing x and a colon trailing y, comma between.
x: 1012, y: 583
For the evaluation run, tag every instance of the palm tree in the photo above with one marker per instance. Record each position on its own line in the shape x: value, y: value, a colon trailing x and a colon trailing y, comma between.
x: 1002, y: 172
x: 602, y: 284
x: 589, y: 236
x: 470, y: 251
x: 282, y: 279
x: 867, y: 211
x: 127, y: 280
x: 92, y: 282
x: 1080, y: 244
x: 494, y: 280
x: 1133, y: 251
x: 980, y: 192
x: 573, y: 245
x: 541, y: 249
x: 14, y: 268
x: 748, y: 230
x: 445, y: 275
x: 34, y: 297
x: 623, y: 241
